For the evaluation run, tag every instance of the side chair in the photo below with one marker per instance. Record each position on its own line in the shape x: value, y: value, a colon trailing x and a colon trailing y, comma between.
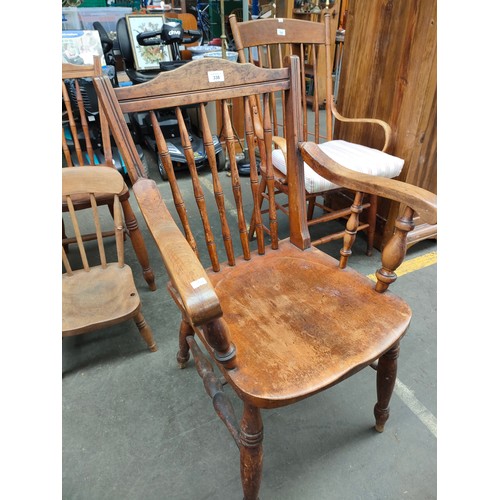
x: 280, y: 321
x: 265, y: 43
x: 97, y: 295
x: 85, y: 144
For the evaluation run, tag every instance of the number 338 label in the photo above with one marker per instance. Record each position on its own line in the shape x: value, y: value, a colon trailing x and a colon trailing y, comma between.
x: 215, y: 76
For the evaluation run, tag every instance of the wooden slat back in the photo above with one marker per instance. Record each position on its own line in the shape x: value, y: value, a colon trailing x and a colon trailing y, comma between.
x: 265, y: 43
x: 188, y: 90
x: 77, y: 141
x: 92, y: 181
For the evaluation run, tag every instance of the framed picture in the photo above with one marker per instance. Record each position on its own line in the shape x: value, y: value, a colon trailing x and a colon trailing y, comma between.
x: 80, y: 47
x: 150, y: 56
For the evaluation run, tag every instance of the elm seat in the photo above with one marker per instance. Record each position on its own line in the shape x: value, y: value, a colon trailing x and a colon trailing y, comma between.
x: 114, y: 289
x: 353, y: 156
x: 312, y: 323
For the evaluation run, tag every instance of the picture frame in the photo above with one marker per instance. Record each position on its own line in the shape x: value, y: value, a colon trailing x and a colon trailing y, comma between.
x: 80, y: 47
x: 147, y: 57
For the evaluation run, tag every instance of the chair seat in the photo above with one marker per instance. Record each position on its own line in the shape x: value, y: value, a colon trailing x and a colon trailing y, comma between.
x: 301, y: 324
x: 354, y: 156
x: 97, y: 298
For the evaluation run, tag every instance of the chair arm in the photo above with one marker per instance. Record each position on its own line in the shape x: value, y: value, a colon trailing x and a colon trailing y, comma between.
x: 281, y: 143
x: 422, y: 201
x: 384, y: 125
x: 184, y: 269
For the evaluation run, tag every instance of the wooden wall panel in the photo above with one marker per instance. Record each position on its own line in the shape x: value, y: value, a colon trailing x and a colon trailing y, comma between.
x: 389, y: 72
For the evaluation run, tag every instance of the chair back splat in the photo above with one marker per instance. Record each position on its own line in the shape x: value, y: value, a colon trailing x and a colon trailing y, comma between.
x: 281, y: 319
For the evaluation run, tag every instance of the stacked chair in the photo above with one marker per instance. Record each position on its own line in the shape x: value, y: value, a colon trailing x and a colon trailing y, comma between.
x: 86, y: 141
x: 99, y: 294
x: 265, y: 43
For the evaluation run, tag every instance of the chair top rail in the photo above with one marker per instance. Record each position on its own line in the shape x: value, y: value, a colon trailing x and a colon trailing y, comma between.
x: 201, y: 81
x: 286, y: 30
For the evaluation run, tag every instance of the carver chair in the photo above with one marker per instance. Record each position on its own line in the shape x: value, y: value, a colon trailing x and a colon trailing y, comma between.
x: 86, y: 141
x: 281, y: 321
x: 97, y: 295
x: 265, y: 43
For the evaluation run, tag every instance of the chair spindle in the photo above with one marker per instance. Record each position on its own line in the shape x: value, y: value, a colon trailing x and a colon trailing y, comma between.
x: 72, y: 126
x: 217, y: 187
x: 85, y: 125
x: 98, y: 232
x: 254, y: 178
x: 273, y: 222
x: 78, y: 235
x: 198, y: 191
x: 235, y: 180
x: 119, y: 230
x: 166, y: 160
x: 351, y: 229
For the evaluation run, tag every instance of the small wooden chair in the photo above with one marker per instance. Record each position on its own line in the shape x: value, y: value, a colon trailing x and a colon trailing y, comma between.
x: 97, y: 296
x: 84, y: 144
x: 267, y: 42
x: 283, y: 320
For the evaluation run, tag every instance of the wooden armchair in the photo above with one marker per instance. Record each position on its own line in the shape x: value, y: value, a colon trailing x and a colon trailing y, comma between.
x: 86, y: 140
x: 97, y: 296
x: 281, y: 321
x: 267, y: 42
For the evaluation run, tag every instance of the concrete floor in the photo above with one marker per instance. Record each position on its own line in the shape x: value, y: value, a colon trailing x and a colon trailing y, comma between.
x: 134, y: 426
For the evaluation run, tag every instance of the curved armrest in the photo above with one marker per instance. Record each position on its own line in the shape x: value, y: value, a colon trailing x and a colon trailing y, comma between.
x: 185, y: 270
x: 384, y: 125
x: 422, y: 201
x: 281, y: 143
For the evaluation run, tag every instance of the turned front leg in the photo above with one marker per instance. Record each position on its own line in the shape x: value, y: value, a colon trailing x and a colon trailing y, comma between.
x: 386, y: 378
x: 251, y: 437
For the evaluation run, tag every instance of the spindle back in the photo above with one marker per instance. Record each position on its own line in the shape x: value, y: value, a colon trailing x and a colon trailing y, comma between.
x: 190, y: 90
x: 92, y: 181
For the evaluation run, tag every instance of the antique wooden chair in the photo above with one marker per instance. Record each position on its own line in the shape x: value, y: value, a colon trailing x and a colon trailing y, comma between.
x: 97, y: 296
x: 283, y: 320
x: 267, y: 42
x: 84, y: 143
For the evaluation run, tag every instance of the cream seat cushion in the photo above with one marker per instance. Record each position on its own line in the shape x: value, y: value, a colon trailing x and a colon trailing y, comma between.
x: 354, y: 156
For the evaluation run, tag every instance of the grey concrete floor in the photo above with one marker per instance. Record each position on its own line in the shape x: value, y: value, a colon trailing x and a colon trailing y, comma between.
x: 135, y: 426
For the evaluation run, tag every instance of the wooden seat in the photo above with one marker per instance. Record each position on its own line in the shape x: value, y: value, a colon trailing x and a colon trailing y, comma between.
x: 86, y: 141
x: 281, y: 319
x: 265, y: 43
x: 97, y: 296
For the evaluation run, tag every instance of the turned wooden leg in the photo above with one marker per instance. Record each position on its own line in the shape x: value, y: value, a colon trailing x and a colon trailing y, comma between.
x: 183, y: 353
x: 387, y: 369
x: 145, y: 331
x: 138, y: 244
x: 372, y: 221
x: 251, y: 436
